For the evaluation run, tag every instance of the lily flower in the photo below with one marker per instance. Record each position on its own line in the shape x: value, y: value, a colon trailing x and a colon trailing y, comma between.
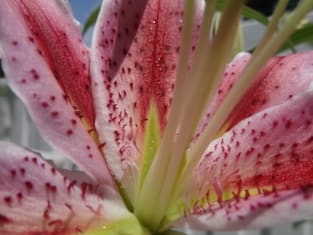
x: 165, y: 134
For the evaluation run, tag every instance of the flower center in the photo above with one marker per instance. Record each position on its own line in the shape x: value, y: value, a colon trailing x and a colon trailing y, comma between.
x: 196, y: 83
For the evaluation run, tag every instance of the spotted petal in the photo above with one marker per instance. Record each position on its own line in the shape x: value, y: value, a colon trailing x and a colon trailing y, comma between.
x: 230, y: 76
x: 47, y: 65
x: 129, y: 78
x: 281, y: 78
x: 262, y: 167
x: 37, y: 199
x: 253, y: 213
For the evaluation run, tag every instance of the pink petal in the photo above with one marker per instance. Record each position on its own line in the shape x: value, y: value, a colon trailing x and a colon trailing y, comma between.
x: 282, y: 78
x: 128, y: 79
x: 52, y: 34
x: 116, y: 28
x: 255, y: 212
x: 271, y: 152
x: 40, y: 61
x: 37, y: 199
x: 231, y: 75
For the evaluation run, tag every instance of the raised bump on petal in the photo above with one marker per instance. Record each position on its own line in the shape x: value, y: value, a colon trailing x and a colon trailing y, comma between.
x: 31, y: 74
x: 59, y: 204
x: 252, y: 163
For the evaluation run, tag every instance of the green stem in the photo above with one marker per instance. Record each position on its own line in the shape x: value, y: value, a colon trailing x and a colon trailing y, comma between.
x: 146, y: 207
x: 273, y: 25
x: 172, y: 232
x: 206, y: 80
x: 258, y: 60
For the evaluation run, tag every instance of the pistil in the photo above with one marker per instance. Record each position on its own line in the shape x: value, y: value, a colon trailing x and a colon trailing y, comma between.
x: 259, y: 58
x: 157, y: 173
x: 194, y: 90
x: 185, y: 114
x: 269, y: 45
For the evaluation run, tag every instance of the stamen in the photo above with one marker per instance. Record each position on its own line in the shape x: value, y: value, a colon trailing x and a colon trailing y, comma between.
x: 257, y: 61
x: 205, y: 81
x: 159, y: 165
x: 273, y: 25
x: 205, y: 30
x: 206, y: 77
x: 170, y: 157
x: 175, y: 146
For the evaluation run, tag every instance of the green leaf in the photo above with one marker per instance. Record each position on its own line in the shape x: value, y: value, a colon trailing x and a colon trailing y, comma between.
x: 247, y: 12
x: 91, y: 19
x: 255, y: 15
x: 302, y: 35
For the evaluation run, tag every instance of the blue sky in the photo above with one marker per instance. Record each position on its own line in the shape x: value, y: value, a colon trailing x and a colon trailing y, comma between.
x: 81, y: 10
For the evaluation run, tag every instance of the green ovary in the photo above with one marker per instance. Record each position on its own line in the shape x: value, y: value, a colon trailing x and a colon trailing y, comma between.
x: 127, y: 226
